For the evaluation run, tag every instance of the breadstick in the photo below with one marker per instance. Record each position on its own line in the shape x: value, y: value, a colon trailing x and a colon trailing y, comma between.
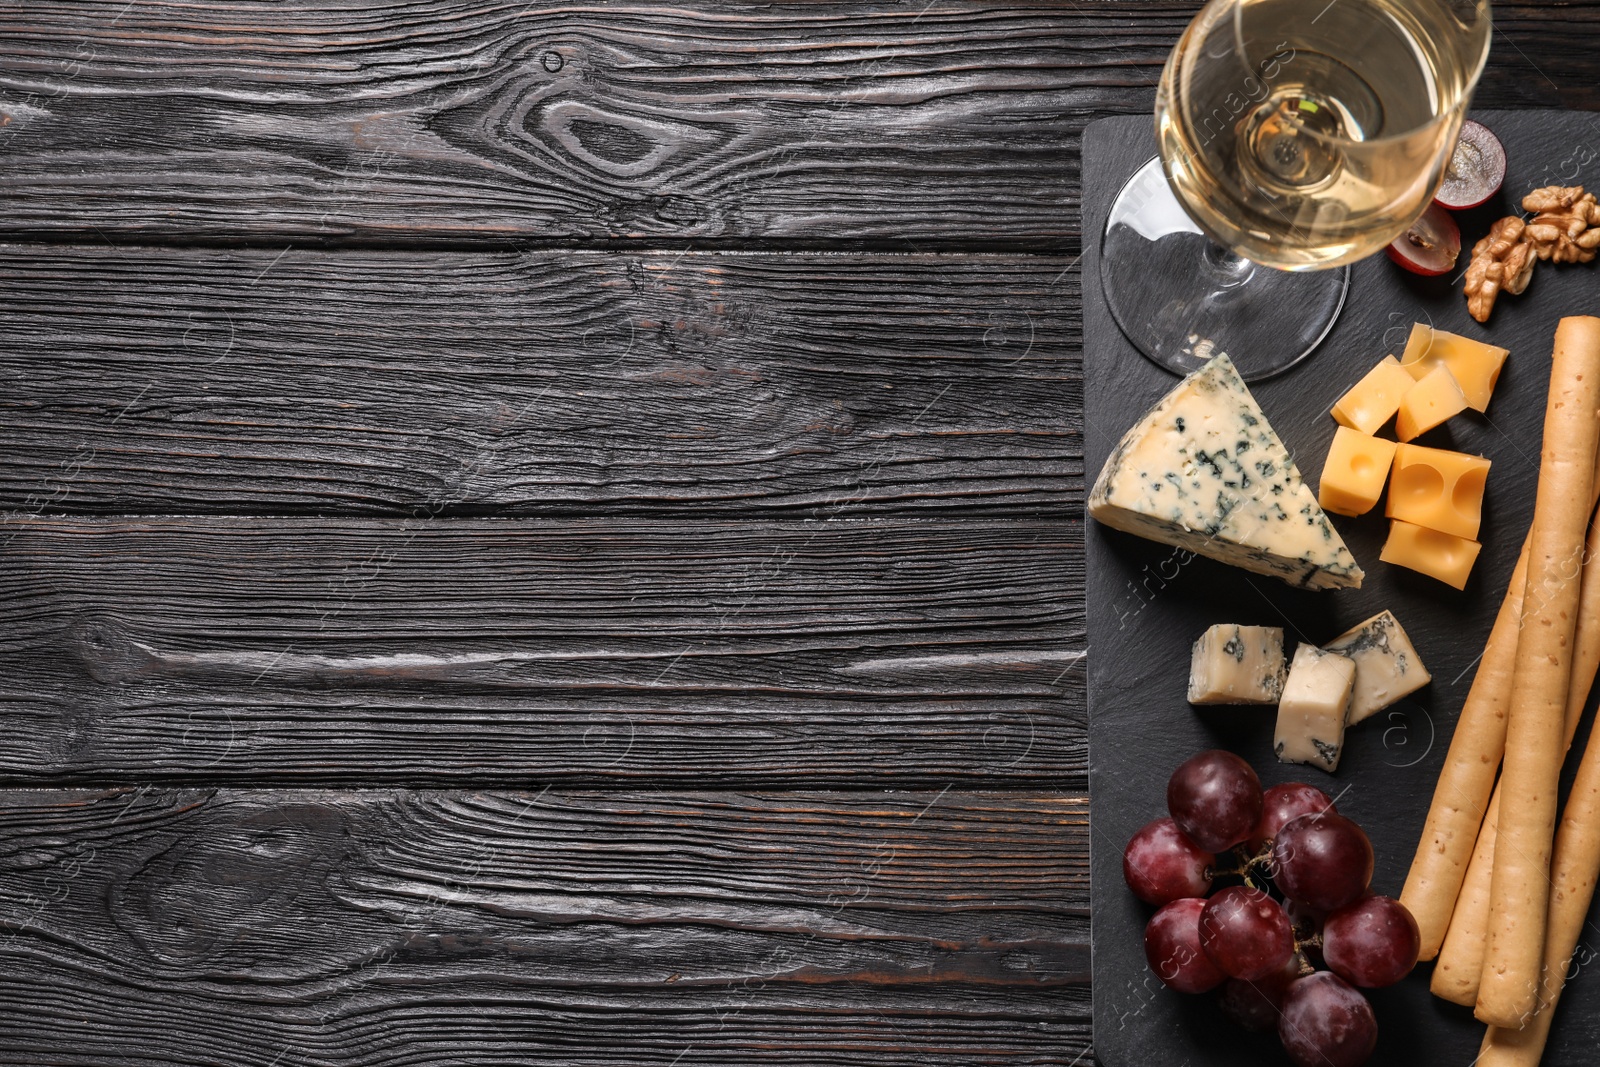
x: 1525, y: 1047
x: 1572, y: 881
x: 1518, y: 885
x: 1455, y: 977
x: 1467, y: 778
x: 1435, y: 883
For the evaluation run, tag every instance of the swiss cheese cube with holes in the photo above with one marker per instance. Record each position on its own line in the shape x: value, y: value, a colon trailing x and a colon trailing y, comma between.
x: 1438, y: 489
x: 1432, y: 401
x: 1373, y: 400
x: 1438, y: 555
x: 1474, y: 365
x: 1355, y: 472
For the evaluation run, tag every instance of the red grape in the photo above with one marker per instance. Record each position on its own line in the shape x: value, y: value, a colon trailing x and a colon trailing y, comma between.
x: 1257, y: 1005
x: 1476, y: 170
x: 1172, y: 946
x: 1326, y: 1023
x: 1215, y: 798
x: 1431, y: 246
x: 1246, y: 933
x: 1284, y: 802
x: 1323, y: 860
x: 1162, y: 865
x: 1373, y: 942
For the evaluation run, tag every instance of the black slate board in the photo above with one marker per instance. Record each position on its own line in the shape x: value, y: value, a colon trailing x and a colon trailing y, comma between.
x: 1145, y: 610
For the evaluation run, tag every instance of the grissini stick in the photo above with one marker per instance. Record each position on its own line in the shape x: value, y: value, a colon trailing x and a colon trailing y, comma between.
x: 1467, y: 778
x: 1455, y: 976
x: 1519, y: 884
x: 1460, y: 965
x: 1463, y: 793
x: 1572, y: 879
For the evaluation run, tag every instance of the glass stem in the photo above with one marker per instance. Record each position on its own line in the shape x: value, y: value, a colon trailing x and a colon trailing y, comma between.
x: 1229, y: 268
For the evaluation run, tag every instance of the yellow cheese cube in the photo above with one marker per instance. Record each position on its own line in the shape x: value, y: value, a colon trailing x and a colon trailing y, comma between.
x: 1370, y: 402
x: 1439, y: 489
x: 1475, y: 364
x: 1438, y: 555
x: 1353, y: 476
x: 1434, y: 398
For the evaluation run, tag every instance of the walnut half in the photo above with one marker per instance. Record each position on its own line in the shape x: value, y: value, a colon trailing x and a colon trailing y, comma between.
x: 1561, y: 231
x: 1501, y: 262
x: 1565, y: 228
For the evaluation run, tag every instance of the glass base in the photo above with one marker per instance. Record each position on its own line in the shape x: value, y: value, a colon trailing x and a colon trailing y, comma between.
x: 1181, y: 298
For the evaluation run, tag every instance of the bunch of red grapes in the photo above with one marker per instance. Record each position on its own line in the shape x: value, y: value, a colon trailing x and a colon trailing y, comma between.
x: 1303, y: 904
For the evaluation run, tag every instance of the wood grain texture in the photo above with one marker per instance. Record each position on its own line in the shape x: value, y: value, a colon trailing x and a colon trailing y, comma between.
x: 440, y: 384
x: 558, y: 927
x: 480, y: 121
x: 168, y: 923
x: 872, y: 651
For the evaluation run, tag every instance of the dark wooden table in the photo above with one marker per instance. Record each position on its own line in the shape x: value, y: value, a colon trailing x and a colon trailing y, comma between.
x: 544, y: 534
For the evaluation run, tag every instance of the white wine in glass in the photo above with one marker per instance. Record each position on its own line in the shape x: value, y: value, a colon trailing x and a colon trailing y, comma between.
x: 1296, y: 135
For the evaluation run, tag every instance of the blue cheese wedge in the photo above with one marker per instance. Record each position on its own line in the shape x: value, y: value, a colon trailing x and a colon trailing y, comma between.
x: 1387, y: 665
x: 1234, y: 664
x: 1311, y: 715
x: 1204, y: 471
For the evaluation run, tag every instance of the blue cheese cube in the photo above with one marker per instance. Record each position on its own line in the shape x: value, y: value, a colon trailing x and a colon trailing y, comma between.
x: 1204, y: 471
x: 1387, y: 666
x: 1234, y: 664
x: 1311, y: 715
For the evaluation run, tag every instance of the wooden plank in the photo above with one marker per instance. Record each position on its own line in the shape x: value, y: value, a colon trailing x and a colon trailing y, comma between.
x: 351, y: 928
x: 882, y: 650
x: 429, y: 384
x: 475, y: 122
x: 496, y: 121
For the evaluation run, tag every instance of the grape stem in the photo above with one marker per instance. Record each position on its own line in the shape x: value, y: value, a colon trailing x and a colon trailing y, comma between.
x: 1255, y: 869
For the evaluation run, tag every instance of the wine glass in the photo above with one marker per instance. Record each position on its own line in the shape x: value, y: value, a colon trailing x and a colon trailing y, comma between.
x: 1295, y: 138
